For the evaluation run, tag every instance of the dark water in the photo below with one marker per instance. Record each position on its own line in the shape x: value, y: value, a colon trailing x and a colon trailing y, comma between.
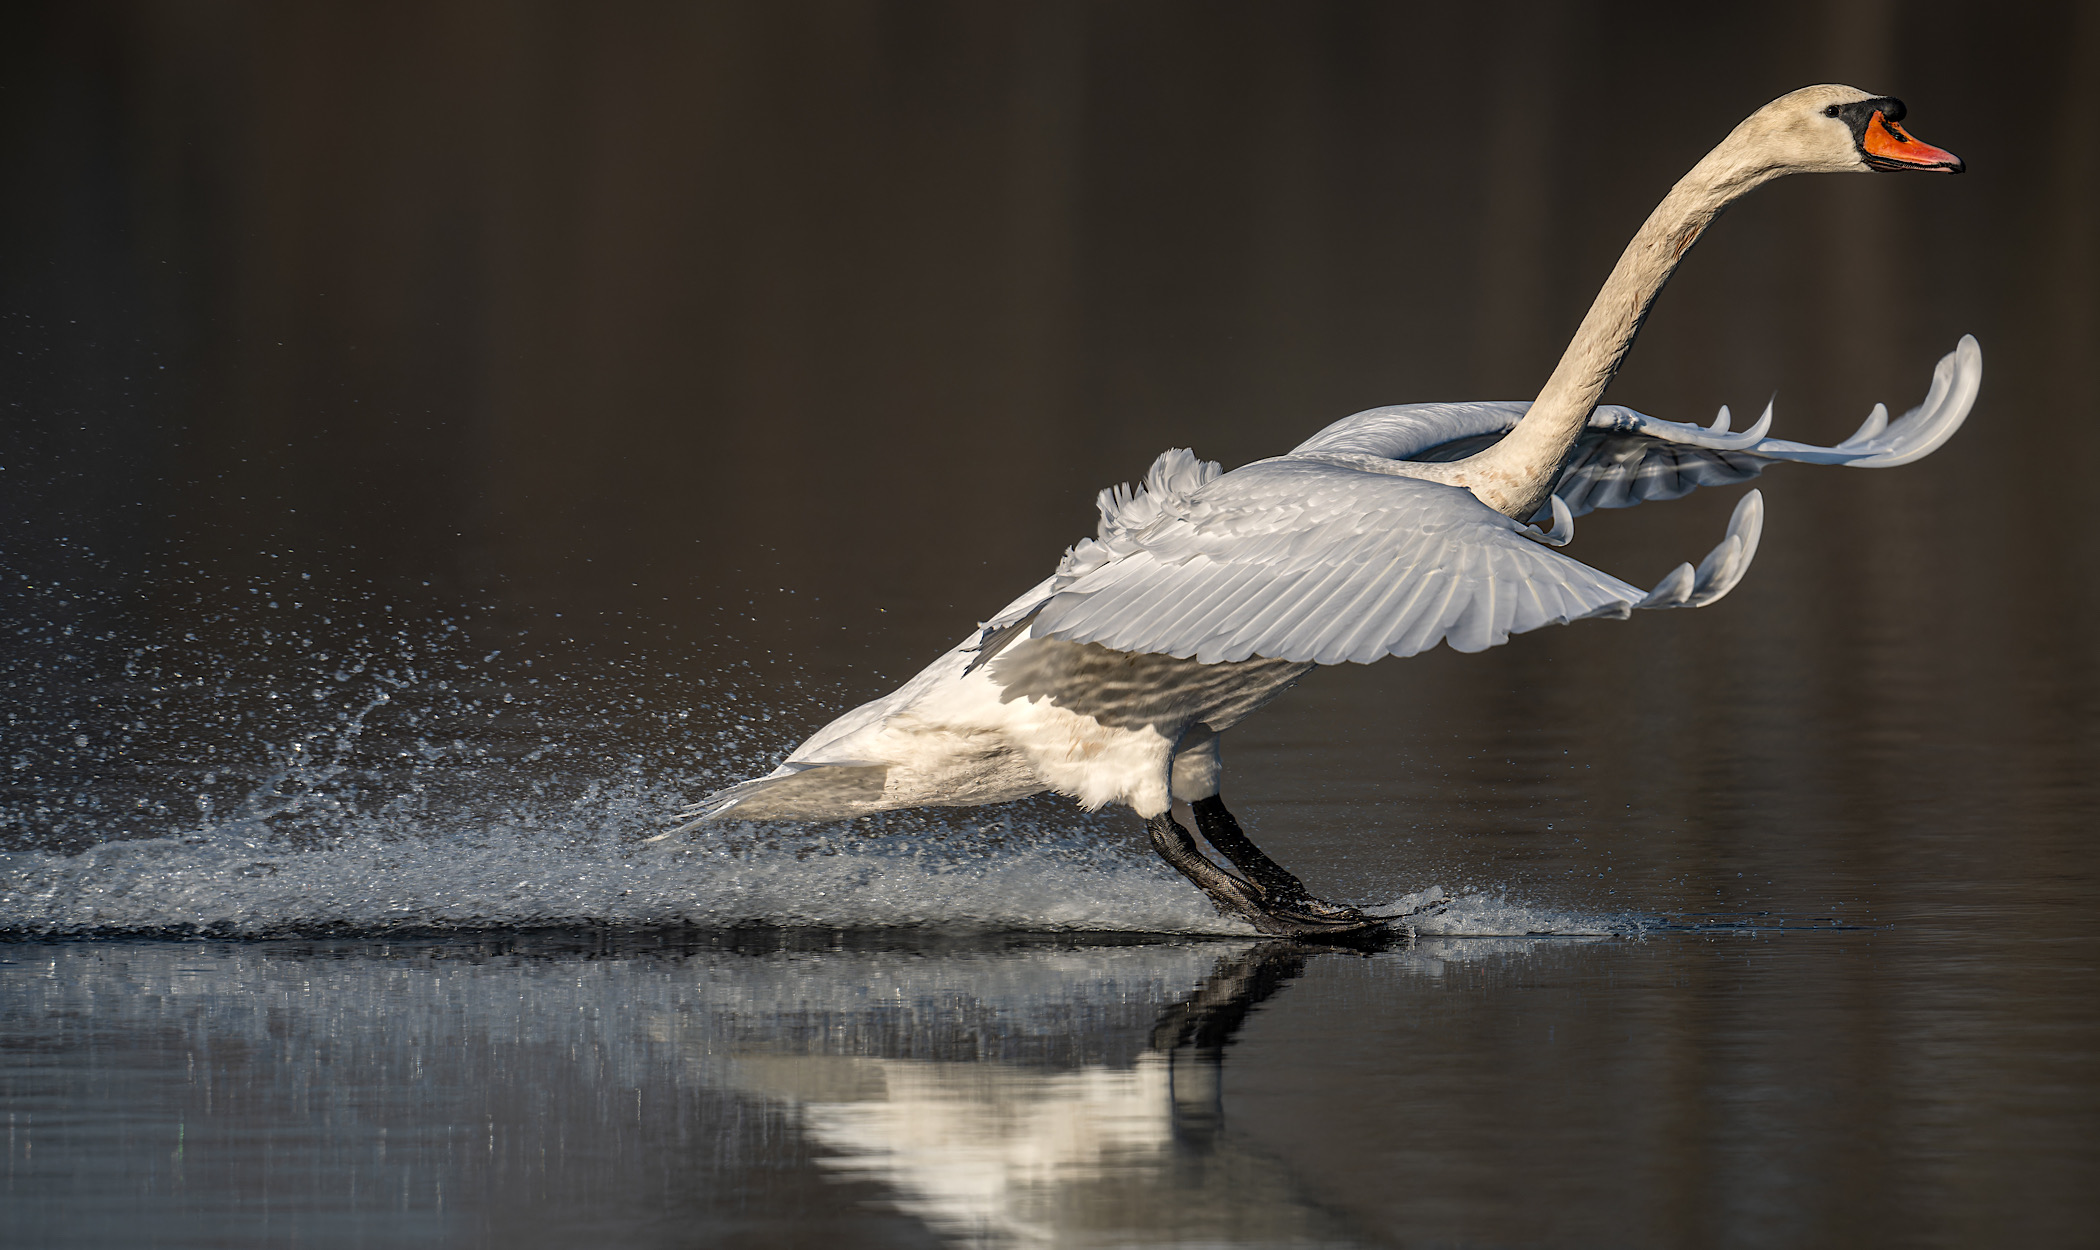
x: 439, y: 441
x: 1831, y: 1088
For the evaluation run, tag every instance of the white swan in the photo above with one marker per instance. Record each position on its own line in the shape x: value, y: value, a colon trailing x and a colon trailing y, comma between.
x: 1206, y: 594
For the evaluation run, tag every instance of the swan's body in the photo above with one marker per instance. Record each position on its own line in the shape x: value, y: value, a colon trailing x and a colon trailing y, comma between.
x: 1206, y: 594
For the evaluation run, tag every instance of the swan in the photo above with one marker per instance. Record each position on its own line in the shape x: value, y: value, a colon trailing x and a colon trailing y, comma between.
x: 1206, y: 594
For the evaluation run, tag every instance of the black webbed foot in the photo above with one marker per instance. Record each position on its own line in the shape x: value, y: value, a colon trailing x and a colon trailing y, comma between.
x: 1279, y: 910
x: 1281, y: 888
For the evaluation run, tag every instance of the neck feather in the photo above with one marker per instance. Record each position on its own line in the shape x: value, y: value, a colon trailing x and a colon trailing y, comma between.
x: 1516, y: 474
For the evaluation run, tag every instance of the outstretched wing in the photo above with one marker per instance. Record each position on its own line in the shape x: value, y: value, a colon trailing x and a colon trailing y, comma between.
x: 1310, y: 561
x: 1626, y: 457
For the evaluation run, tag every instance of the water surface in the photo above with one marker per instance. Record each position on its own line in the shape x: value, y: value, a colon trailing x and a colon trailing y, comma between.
x: 790, y: 1089
x: 439, y: 443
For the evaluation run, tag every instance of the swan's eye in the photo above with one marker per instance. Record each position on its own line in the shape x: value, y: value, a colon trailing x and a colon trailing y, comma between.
x: 1832, y: 111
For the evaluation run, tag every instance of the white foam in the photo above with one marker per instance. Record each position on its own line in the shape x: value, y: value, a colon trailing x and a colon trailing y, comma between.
x: 227, y: 883
x: 242, y: 880
x: 238, y: 881
x: 1431, y: 913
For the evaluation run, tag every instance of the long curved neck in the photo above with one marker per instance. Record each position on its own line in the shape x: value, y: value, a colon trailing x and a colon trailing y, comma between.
x: 1515, y: 475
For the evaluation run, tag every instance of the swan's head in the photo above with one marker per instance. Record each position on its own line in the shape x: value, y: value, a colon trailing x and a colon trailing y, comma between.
x: 1831, y: 129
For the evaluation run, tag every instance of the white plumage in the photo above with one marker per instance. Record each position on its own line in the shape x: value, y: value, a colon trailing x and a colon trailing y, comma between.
x: 1205, y: 594
x: 1328, y: 554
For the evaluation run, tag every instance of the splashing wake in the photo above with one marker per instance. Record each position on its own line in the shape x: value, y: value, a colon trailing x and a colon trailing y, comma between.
x: 270, y: 772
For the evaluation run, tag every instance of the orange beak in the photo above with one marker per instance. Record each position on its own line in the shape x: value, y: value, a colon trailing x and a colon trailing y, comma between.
x: 1889, y: 147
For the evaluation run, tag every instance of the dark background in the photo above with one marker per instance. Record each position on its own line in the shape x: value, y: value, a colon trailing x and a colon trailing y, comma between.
x: 803, y: 334
x: 729, y: 361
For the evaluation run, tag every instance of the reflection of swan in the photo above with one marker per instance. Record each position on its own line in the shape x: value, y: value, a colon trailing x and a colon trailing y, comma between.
x: 513, y: 1089
x: 1206, y: 595
x: 1001, y: 1155
x: 998, y: 1154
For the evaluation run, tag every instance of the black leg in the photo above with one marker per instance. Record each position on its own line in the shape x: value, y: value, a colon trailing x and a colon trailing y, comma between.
x: 1280, y: 887
x: 1207, y: 1019
x: 1248, y: 899
x: 1193, y: 1033
x: 1174, y: 845
x: 1218, y: 828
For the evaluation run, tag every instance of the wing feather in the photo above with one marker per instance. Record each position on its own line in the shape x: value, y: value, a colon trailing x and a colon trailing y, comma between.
x: 1217, y: 602
x: 1311, y: 558
x: 1297, y: 627
x: 1361, y: 636
x: 1311, y: 561
x: 1626, y: 457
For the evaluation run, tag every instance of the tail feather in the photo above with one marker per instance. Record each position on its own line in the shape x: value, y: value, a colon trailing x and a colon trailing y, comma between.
x: 793, y: 792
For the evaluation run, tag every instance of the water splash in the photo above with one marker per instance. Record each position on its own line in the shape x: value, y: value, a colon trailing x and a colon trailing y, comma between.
x: 230, y: 882
x: 226, y: 884
x: 269, y: 773
x: 265, y: 760
x: 1484, y: 914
